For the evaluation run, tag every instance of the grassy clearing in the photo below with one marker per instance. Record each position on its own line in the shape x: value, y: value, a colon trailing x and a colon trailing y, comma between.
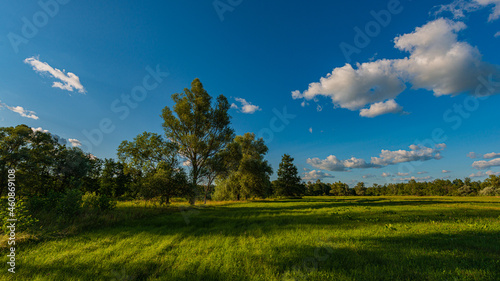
x: 316, y: 238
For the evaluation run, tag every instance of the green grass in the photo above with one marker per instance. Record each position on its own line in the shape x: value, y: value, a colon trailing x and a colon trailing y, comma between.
x: 316, y: 238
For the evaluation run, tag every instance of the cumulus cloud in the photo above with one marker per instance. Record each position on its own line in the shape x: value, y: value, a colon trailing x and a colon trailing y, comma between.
x: 437, y: 62
x: 385, y: 175
x: 316, y: 175
x: 483, y: 164
x: 39, y: 129
x: 75, y: 142
x: 68, y: 81
x: 20, y: 110
x: 491, y: 155
x: 381, y: 108
x: 332, y: 163
x: 445, y: 171
x: 386, y: 158
x: 246, y: 107
x: 416, y: 153
x: 483, y: 174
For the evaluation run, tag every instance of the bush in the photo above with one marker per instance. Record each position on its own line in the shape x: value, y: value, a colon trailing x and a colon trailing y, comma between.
x: 25, y: 220
x: 96, y: 202
x: 70, y: 204
x: 489, y: 191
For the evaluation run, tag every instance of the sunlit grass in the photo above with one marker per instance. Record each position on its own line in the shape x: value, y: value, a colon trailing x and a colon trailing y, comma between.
x: 325, y: 238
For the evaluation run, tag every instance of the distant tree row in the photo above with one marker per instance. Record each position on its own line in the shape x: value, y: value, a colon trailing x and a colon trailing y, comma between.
x: 438, y: 187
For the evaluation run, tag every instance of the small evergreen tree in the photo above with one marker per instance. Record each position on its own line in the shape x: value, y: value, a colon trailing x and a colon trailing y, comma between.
x: 289, y: 182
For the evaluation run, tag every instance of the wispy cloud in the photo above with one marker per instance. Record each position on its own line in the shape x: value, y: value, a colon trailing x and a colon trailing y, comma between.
x: 245, y: 107
x: 68, y: 81
x: 445, y: 171
x: 459, y: 8
x: 21, y: 111
x: 483, y: 174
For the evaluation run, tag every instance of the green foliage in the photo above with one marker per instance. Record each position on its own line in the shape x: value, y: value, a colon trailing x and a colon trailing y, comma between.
x: 98, y: 203
x: 249, y: 173
x: 164, y: 183
x: 490, y: 191
x: 70, y: 204
x: 200, y: 129
x: 288, y: 183
x: 25, y: 221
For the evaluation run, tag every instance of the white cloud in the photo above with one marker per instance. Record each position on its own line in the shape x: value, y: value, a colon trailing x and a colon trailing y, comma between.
x: 437, y: 62
x: 39, y: 129
x: 460, y: 7
x: 75, y: 142
x: 473, y: 155
x: 385, y: 175
x: 369, y: 176
x: 422, y: 173
x: 381, y: 108
x: 413, y: 178
x: 482, y: 164
x: 332, y: 163
x: 445, y: 171
x: 319, y: 108
x: 416, y: 153
x: 310, y: 130
x: 68, y: 81
x: 246, y: 107
x: 59, y: 139
x: 386, y: 158
x: 483, y: 174
x: 20, y: 110
x: 403, y: 174
x: 497, y: 34
x: 316, y: 175
x: 491, y: 155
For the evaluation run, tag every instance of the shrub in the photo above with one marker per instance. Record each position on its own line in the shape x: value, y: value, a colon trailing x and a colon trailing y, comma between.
x: 70, y: 204
x: 25, y: 220
x: 98, y: 202
x: 489, y: 191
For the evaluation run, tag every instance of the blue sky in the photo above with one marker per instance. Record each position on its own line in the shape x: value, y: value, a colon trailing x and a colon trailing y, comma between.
x: 66, y: 66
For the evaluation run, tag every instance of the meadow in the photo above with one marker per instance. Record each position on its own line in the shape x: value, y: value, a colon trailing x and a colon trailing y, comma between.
x: 314, y: 238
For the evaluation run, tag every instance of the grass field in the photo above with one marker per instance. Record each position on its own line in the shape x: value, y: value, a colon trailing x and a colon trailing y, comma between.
x: 315, y: 238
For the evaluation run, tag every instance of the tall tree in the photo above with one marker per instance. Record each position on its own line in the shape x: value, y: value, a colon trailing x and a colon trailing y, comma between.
x: 200, y: 129
x: 289, y: 182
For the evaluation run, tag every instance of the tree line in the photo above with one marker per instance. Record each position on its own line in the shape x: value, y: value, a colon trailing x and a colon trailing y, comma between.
x: 198, y: 157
